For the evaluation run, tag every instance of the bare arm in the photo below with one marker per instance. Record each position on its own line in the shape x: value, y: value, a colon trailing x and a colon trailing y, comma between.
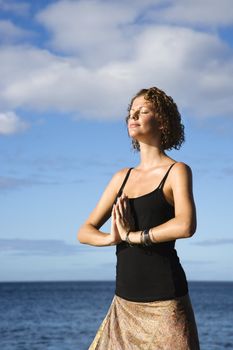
x: 89, y: 232
x: 183, y: 225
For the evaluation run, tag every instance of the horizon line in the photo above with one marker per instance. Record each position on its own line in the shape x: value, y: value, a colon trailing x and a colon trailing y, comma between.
x: 101, y: 281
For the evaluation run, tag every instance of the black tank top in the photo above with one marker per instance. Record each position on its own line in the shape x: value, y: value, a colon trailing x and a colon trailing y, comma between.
x: 147, y: 274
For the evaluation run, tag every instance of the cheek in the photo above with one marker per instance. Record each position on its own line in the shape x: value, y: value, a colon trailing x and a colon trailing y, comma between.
x: 151, y: 122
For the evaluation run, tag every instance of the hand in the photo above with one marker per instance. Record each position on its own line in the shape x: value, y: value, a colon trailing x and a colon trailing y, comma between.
x: 124, y: 218
x: 114, y: 236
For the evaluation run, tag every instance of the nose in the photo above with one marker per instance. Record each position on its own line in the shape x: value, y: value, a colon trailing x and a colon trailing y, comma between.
x: 134, y: 115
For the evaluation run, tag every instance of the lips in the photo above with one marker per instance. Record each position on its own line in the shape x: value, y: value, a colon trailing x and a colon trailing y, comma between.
x: 133, y: 125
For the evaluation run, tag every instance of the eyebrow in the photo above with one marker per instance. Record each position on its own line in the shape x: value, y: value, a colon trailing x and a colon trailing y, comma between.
x: 132, y: 109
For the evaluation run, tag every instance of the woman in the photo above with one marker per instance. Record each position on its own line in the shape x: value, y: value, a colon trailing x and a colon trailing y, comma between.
x: 151, y: 206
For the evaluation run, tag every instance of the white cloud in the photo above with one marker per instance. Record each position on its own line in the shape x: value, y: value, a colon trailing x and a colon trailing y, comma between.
x: 94, y: 30
x: 110, y: 57
x: 207, y: 13
x: 36, y: 79
x: 10, y: 33
x: 194, y: 67
x: 10, y: 123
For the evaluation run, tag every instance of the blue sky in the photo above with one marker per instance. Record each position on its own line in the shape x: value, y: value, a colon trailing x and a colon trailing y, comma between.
x: 68, y: 70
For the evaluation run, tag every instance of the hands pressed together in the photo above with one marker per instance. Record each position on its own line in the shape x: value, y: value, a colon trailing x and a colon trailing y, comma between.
x: 122, y: 219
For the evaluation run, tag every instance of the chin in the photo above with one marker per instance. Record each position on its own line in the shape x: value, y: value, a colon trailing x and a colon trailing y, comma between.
x: 133, y: 133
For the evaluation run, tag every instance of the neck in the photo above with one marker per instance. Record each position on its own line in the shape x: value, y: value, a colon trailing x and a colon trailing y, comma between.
x: 151, y: 156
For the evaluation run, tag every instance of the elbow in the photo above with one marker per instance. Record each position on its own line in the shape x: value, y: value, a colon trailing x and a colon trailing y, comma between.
x: 187, y: 225
x: 80, y: 236
x: 83, y: 234
x: 189, y: 228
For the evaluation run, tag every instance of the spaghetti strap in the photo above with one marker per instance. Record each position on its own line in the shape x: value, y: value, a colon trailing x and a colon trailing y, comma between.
x: 165, y: 176
x: 123, y: 183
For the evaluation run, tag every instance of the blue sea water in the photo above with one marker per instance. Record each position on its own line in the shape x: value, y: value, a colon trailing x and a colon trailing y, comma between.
x: 66, y: 315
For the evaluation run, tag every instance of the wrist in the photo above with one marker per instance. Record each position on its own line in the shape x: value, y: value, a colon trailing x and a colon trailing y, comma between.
x: 134, y: 237
x: 152, y: 238
x: 127, y: 239
x: 110, y: 241
x: 146, y: 238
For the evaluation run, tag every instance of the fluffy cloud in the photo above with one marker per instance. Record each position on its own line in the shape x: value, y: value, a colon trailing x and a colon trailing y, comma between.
x: 10, y: 123
x: 105, y: 59
x: 198, y: 12
x: 10, y: 33
x: 37, y: 79
x: 96, y: 31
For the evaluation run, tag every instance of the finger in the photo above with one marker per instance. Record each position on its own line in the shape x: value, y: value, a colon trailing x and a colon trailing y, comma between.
x: 124, y: 206
x: 119, y: 219
x: 119, y: 206
x: 124, y: 200
x: 117, y: 213
x: 120, y: 211
x: 114, y: 212
x: 123, y: 196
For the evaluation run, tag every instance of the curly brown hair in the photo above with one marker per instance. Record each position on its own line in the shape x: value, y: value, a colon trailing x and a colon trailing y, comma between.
x: 169, y: 118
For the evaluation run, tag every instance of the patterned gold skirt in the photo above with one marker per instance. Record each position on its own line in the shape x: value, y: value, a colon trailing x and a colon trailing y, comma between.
x: 157, y: 325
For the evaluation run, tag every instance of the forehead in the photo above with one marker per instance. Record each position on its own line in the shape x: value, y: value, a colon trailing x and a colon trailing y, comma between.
x: 141, y: 102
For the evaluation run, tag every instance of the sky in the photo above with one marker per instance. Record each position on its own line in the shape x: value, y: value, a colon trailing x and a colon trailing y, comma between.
x: 68, y: 71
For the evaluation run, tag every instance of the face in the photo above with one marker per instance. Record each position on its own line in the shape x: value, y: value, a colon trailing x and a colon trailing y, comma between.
x: 142, y: 120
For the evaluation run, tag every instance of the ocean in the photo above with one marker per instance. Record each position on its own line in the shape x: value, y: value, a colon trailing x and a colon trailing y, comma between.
x: 66, y: 315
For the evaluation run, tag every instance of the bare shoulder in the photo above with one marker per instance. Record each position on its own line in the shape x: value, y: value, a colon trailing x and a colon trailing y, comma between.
x: 181, y: 173
x: 118, y: 178
x: 120, y: 174
x: 181, y: 168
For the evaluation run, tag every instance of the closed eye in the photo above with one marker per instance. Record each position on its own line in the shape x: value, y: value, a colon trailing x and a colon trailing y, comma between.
x: 144, y: 111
